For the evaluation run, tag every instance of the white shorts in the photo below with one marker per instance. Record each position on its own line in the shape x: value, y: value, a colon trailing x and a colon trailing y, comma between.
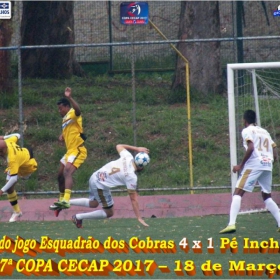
x: 249, y: 178
x: 100, y: 193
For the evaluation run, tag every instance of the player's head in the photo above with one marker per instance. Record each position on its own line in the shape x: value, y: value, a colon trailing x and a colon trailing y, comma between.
x: 249, y: 117
x: 138, y: 168
x: 63, y: 106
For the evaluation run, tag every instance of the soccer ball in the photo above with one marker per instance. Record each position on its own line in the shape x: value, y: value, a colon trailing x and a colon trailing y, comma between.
x: 142, y: 159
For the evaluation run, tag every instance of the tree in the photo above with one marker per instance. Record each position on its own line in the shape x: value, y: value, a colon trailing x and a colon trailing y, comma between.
x: 48, y: 23
x: 5, y: 70
x: 199, y: 20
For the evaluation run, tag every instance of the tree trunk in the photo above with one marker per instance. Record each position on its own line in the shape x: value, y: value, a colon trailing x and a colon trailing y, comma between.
x: 6, y: 82
x: 48, y: 23
x: 200, y: 20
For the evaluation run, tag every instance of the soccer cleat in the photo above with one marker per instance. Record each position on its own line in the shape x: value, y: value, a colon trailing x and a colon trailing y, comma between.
x: 229, y: 229
x: 62, y: 204
x: 53, y: 207
x: 78, y: 223
x: 15, y: 217
x: 57, y: 211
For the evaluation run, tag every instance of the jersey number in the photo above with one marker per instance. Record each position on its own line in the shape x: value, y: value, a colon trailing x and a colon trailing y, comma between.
x: 114, y: 170
x: 265, y: 144
x: 18, y: 148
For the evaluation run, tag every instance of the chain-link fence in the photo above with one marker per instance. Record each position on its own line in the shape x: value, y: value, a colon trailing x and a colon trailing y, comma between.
x: 98, y: 22
x: 100, y: 39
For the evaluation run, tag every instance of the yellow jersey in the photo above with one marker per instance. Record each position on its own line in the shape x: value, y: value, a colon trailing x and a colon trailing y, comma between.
x: 19, y: 161
x: 72, y: 127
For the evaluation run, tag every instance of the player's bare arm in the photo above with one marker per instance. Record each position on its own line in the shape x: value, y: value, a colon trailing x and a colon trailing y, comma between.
x: 134, y: 201
x: 60, y: 138
x: 3, y: 149
x: 9, y: 184
x: 275, y: 153
x: 247, y: 155
x: 75, y: 105
x: 121, y: 147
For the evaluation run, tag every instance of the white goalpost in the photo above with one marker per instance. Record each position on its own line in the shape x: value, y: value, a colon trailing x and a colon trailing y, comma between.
x: 253, y: 86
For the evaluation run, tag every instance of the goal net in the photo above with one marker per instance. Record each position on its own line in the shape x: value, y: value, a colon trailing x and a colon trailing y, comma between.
x: 253, y: 86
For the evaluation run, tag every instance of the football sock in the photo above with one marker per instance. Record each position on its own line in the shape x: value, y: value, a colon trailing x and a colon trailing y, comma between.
x: 61, y: 196
x: 80, y: 202
x: 98, y: 214
x: 12, y: 197
x: 273, y: 209
x: 234, y: 209
x: 67, y: 195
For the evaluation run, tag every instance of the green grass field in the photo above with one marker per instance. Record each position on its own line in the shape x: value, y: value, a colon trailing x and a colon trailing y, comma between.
x: 256, y: 227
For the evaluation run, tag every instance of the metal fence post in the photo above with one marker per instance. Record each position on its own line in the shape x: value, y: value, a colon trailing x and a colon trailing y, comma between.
x: 110, y: 35
x: 133, y: 90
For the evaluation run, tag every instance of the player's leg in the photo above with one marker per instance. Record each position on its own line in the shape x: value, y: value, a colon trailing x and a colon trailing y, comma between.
x: 61, y: 187
x: 245, y: 183
x: 68, y: 172
x: 235, y: 205
x: 74, y: 159
x: 272, y: 207
x: 85, y: 202
x: 102, y: 196
x: 265, y: 181
x: 98, y: 214
x: 13, y: 199
x: 106, y: 212
x: 234, y: 210
x: 24, y: 172
x: 61, y: 181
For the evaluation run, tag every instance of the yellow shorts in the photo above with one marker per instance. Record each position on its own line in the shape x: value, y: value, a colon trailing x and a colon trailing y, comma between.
x: 75, y: 156
x: 26, y: 169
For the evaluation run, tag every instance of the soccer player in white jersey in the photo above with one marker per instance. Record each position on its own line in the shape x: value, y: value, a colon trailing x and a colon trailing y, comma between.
x: 120, y: 172
x: 256, y: 166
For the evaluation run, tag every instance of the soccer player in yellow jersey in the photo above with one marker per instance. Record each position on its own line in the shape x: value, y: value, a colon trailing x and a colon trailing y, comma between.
x: 20, y: 164
x: 73, y: 137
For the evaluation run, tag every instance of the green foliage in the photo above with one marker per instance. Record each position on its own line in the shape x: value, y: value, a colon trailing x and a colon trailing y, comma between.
x: 8, y: 100
x: 162, y: 125
x: 81, y: 178
x: 96, y: 68
x: 30, y: 185
x: 32, y: 97
x: 42, y: 119
x: 42, y: 135
x: 176, y: 96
